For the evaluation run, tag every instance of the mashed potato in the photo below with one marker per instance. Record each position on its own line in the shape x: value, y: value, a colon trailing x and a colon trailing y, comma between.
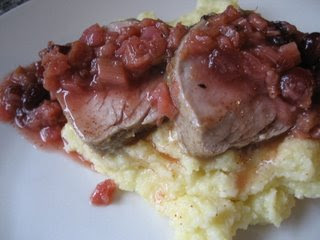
x: 211, y: 199
x: 203, y: 7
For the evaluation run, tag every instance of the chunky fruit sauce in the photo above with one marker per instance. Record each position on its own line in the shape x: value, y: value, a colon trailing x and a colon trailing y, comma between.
x: 25, y: 103
x: 122, y: 56
x: 103, y: 59
x: 103, y: 193
x: 286, y: 59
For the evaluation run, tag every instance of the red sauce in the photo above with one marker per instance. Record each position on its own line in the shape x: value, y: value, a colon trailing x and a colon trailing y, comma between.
x: 27, y: 105
x: 119, y: 66
x: 267, y: 151
x: 102, y: 59
x: 169, y: 158
x: 116, y: 56
x: 161, y: 98
x: 245, y: 55
x: 80, y: 160
x: 103, y: 193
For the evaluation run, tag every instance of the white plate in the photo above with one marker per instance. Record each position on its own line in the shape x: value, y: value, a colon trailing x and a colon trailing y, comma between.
x: 46, y: 195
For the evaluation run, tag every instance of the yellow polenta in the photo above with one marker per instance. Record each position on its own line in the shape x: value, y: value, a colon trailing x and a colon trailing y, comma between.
x: 211, y: 199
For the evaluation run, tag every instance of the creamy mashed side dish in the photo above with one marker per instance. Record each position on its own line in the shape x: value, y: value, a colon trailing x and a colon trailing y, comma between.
x: 203, y: 7
x: 211, y: 198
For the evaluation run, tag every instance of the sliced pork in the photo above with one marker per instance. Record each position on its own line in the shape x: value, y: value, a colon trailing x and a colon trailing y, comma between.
x: 110, y: 83
x: 109, y: 119
x: 236, y: 80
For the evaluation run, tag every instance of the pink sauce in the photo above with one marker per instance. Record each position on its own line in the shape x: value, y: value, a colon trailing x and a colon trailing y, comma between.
x: 120, y: 58
x: 102, y: 61
x: 103, y: 193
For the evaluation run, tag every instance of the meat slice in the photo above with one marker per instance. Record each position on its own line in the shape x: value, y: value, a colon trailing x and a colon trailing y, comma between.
x: 107, y: 120
x: 110, y: 83
x: 225, y: 82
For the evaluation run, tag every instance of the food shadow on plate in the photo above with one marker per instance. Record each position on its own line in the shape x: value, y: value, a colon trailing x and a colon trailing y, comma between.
x: 118, y: 197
